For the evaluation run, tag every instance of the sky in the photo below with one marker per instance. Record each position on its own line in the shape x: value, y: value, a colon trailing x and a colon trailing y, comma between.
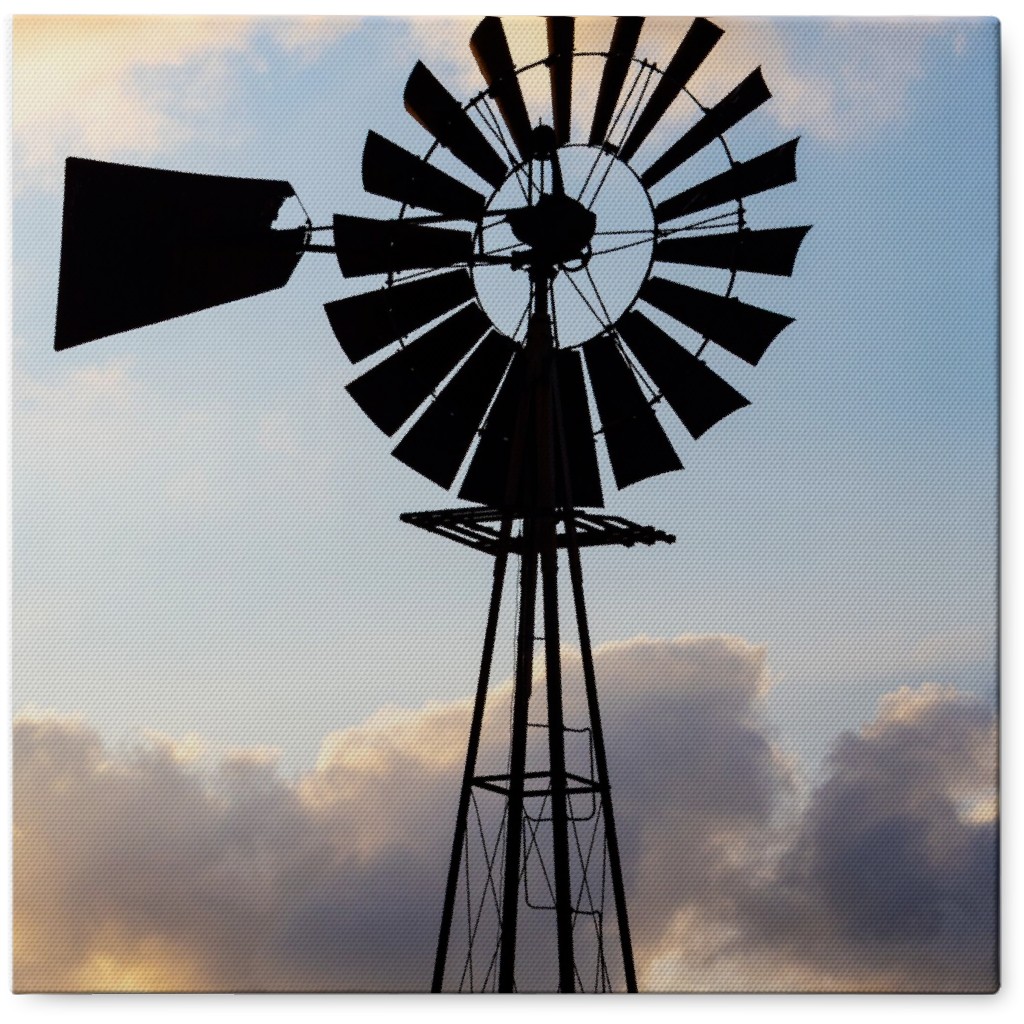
x: 226, y: 643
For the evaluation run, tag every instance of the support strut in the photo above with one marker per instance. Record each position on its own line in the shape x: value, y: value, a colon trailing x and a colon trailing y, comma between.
x: 475, y: 728
x: 601, y: 763
x: 538, y: 495
x: 517, y: 763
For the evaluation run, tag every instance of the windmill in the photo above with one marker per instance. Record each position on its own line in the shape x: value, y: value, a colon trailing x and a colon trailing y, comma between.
x: 528, y: 277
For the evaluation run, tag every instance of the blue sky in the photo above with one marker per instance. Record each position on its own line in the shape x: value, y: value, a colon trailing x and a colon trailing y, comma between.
x: 205, y: 527
x: 243, y: 508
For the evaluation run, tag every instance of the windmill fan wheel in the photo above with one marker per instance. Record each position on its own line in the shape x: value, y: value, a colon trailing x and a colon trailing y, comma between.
x: 509, y: 221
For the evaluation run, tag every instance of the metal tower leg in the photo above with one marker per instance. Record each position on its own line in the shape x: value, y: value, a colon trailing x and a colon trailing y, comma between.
x: 490, y: 632
x: 601, y: 762
x: 538, y: 446
x: 556, y: 747
x: 548, y: 548
x: 517, y: 762
x: 538, y: 547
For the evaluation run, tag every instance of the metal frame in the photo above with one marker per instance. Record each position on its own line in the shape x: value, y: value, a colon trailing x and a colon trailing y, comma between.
x: 537, y: 544
x: 475, y: 528
x: 538, y: 497
x: 606, y: 148
x: 540, y: 419
x: 546, y: 528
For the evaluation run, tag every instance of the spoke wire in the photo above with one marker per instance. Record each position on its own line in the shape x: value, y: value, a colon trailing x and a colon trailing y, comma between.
x: 522, y: 319
x: 608, y: 135
x: 638, y: 371
x: 493, y: 123
x: 494, y: 223
x: 619, y: 248
x: 593, y: 284
x: 402, y: 277
x: 625, y: 134
x: 710, y: 221
x: 586, y: 301
x: 635, y: 231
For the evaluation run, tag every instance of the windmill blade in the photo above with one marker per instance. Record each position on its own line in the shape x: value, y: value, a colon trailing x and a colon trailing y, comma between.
x: 367, y: 246
x: 561, y: 42
x: 395, y: 173
x: 637, y: 445
x: 772, y: 251
x: 698, y: 396
x: 696, y: 45
x: 364, y: 324
x: 395, y: 388
x: 620, y: 56
x: 745, y: 331
x: 767, y: 171
x: 437, y: 442
x: 743, y: 100
x: 141, y: 245
x: 487, y: 476
x: 486, y: 479
x: 490, y: 48
x: 578, y: 434
x: 442, y: 115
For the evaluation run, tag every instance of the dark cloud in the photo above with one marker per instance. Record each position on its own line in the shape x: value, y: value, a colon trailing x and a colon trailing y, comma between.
x: 156, y: 869
x: 885, y: 878
x: 897, y: 850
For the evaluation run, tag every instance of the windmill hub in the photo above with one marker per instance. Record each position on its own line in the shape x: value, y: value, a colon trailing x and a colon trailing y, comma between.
x: 563, y: 244
x: 557, y: 228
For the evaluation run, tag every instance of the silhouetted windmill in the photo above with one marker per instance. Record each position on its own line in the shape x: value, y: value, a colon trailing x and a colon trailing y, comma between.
x: 482, y: 337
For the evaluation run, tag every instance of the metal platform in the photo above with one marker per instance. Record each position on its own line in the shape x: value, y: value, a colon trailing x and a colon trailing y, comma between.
x: 479, y: 527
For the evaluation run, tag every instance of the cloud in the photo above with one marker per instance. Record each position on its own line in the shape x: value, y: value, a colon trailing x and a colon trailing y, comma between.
x: 894, y: 849
x: 310, y: 37
x: 160, y: 868
x: 76, y: 87
x: 840, y: 80
x: 885, y: 880
x: 85, y: 85
x: 93, y: 85
x: 97, y: 425
x: 862, y: 75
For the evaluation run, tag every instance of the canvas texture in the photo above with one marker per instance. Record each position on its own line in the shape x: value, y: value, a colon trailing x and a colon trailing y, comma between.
x: 367, y: 635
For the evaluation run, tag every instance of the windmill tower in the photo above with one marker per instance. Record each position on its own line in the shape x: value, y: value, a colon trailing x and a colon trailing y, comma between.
x: 523, y: 263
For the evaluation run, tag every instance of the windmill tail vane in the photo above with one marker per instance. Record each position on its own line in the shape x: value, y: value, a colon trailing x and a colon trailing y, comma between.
x: 544, y: 284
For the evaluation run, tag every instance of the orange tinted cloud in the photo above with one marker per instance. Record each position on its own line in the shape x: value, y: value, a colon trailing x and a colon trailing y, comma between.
x: 75, y: 91
x: 851, y: 80
x: 154, y: 869
x: 77, y: 87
